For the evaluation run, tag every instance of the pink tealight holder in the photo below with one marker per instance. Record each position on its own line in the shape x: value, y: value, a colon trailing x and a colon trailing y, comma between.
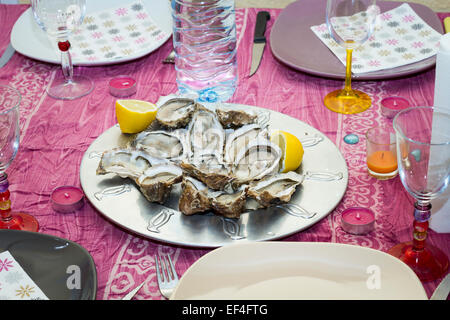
x: 390, y: 106
x: 358, y: 220
x: 122, y: 86
x: 67, y: 199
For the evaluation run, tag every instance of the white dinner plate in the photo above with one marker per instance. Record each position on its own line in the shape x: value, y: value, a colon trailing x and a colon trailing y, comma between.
x: 30, y: 40
x: 120, y: 200
x: 298, y: 271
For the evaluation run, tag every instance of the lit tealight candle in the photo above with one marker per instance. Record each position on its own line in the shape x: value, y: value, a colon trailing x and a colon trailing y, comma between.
x: 122, y: 86
x: 390, y: 106
x: 358, y: 220
x: 67, y: 199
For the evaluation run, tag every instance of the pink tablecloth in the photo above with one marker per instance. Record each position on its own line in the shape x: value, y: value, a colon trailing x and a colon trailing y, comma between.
x: 55, y: 135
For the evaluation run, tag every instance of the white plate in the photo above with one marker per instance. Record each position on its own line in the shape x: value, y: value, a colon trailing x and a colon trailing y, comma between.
x: 298, y: 271
x: 30, y: 40
x: 131, y: 210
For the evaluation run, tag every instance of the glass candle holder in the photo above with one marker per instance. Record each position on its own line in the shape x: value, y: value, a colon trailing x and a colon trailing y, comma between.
x: 381, y: 152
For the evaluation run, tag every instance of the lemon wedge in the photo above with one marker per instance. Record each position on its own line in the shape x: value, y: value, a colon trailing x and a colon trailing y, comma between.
x: 134, y: 116
x: 291, y: 147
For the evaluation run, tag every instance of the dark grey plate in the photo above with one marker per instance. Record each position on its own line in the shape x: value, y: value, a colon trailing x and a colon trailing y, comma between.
x: 49, y: 261
x: 294, y: 44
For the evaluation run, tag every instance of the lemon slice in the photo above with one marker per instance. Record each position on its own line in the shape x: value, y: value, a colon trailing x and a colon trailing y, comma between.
x: 291, y: 147
x: 134, y: 116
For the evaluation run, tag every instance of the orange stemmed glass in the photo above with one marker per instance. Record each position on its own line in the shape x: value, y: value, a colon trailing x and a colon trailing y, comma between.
x: 350, y: 23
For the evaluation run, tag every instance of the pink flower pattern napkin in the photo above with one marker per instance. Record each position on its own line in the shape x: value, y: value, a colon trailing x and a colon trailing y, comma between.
x: 15, y: 284
x: 400, y: 37
x: 115, y: 33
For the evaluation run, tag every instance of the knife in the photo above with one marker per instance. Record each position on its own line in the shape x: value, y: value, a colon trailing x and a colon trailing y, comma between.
x: 259, y: 40
x: 7, y: 55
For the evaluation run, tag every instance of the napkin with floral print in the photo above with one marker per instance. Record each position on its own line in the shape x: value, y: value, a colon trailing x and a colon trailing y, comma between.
x: 15, y: 284
x: 115, y: 33
x: 400, y: 37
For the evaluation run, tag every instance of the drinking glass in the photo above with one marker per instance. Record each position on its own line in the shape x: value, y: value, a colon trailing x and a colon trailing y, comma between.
x: 423, y: 156
x: 9, y: 144
x: 59, y: 18
x: 350, y: 23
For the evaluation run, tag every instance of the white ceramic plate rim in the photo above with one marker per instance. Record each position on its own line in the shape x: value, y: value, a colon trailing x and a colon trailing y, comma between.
x: 28, y: 39
x: 249, y: 257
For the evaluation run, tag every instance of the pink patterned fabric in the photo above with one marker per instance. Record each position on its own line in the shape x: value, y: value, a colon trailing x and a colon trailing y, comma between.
x: 55, y: 135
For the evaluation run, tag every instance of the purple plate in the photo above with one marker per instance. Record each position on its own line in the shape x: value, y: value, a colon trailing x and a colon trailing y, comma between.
x: 294, y: 44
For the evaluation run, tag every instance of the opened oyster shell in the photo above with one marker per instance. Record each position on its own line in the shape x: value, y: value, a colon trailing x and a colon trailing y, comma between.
x: 194, y: 197
x: 162, y: 144
x: 240, y: 138
x: 127, y: 163
x: 234, y: 117
x: 259, y: 159
x: 229, y: 205
x: 210, y: 170
x: 275, y: 189
x: 157, y: 181
x: 176, y: 113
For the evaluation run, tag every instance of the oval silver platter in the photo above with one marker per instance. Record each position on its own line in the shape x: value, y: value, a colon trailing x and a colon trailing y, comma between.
x: 120, y: 201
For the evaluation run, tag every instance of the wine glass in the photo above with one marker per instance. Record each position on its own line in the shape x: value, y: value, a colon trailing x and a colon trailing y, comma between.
x: 350, y: 23
x: 59, y: 18
x: 9, y: 144
x: 423, y: 156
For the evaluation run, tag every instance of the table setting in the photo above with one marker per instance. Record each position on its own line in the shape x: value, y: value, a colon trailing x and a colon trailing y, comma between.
x: 155, y: 149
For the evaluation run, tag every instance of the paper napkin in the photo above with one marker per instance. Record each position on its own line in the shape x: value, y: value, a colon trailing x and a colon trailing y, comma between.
x: 400, y: 37
x: 15, y: 284
x: 114, y: 33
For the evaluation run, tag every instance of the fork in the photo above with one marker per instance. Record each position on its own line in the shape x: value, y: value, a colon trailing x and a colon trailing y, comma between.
x: 166, y: 275
x: 170, y: 58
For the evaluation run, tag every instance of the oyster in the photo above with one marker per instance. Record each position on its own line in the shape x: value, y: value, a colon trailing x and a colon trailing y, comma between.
x: 259, y: 159
x: 127, y: 163
x: 194, y: 197
x: 240, y: 138
x: 235, y: 118
x: 275, y: 189
x: 205, y: 134
x: 209, y: 169
x: 229, y: 205
x: 162, y: 144
x: 157, y: 181
x: 176, y: 113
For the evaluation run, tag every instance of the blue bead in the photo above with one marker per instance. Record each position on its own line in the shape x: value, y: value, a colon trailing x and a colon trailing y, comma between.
x: 416, y: 154
x: 351, y: 139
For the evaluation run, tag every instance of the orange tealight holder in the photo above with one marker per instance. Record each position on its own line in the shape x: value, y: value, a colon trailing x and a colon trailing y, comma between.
x: 381, y: 152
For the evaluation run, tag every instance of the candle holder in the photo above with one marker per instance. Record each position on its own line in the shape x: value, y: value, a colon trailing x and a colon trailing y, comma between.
x: 122, y: 86
x: 381, y: 152
x: 358, y: 220
x: 390, y: 106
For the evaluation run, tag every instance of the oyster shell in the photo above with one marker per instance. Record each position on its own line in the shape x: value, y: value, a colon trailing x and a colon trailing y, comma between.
x: 205, y: 135
x: 194, y: 197
x: 229, y: 205
x: 127, y: 163
x: 235, y: 118
x: 275, y: 189
x: 209, y: 169
x: 176, y: 113
x: 240, y: 138
x: 157, y: 181
x: 259, y: 159
x: 162, y: 144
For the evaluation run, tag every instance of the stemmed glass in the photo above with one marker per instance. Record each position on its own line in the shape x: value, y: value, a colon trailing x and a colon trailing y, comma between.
x: 9, y: 144
x: 59, y: 18
x: 350, y: 23
x: 423, y: 156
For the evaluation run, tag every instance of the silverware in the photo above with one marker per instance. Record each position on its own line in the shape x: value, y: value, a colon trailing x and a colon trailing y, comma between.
x: 7, y: 55
x: 133, y: 292
x: 170, y: 58
x: 166, y: 275
x: 442, y: 290
x: 259, y: 40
